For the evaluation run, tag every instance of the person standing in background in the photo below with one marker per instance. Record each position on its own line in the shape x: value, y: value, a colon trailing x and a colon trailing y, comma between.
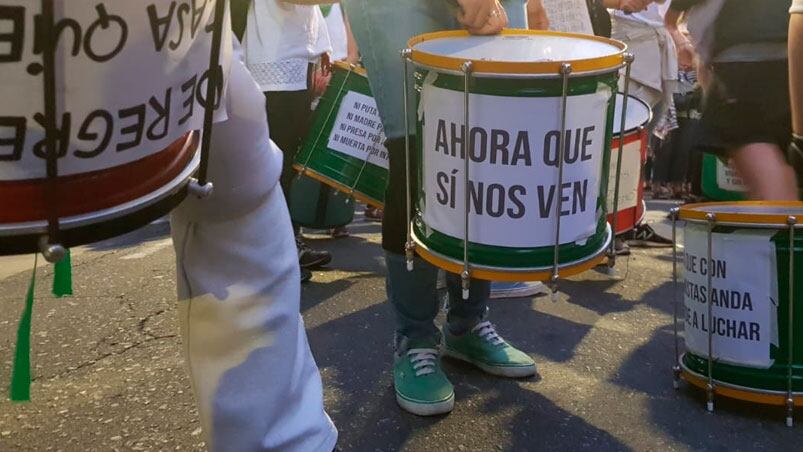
x: 282, y: 41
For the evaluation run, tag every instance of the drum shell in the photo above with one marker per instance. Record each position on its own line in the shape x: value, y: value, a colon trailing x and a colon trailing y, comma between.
x: 775, y: 377
x: 334, y: 168
x: 628, y: 219
x: 316, y: 205
x: 512, y: 257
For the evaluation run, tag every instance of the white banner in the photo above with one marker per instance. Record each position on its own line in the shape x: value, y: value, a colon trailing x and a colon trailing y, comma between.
x: 130, y: 79
x: 744, y: 294
x: 727, y: 179
x: 629, y: 178
x: 358, y: 130
x: 513, y: 166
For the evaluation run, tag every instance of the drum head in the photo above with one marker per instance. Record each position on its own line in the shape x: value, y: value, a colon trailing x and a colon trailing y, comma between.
x: 638, y: 114
x: 517, y: 51
x: 745, y: 212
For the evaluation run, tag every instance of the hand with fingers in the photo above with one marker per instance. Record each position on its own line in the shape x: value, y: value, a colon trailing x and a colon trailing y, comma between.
x: 482, y: 17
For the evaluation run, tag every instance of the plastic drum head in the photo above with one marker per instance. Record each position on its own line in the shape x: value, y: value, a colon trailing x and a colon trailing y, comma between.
x: 522, y: 52
x: 638, y: 114
x: 745, y: 212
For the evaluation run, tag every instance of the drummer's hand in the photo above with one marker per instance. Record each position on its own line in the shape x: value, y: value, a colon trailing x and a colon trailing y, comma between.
x: 482, y: 17
x: 536, y: 15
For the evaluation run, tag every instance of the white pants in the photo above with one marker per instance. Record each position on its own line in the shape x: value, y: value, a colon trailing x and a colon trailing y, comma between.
x: 254, y: 377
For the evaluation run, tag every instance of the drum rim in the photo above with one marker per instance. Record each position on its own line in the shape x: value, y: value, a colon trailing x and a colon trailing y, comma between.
x: 350, y: 67
x: 320, y: 177
x: 638, y: 127
x: 606, y: 63
x: 512, y: 274
x: 693, y: 213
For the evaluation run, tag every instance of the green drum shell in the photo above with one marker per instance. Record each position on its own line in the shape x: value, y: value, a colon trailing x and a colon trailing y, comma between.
x: 774, y: 378
x: 333, y: 166
x: 711, y: 188
x: 510, y: 257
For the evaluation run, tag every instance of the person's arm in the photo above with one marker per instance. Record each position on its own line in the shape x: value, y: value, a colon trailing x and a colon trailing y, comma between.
x: 536, y: 15
x: 685, y: 49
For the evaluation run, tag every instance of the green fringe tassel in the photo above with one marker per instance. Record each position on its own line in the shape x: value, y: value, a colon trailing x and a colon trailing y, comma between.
x: 62, y: 277
x: 21, y: 372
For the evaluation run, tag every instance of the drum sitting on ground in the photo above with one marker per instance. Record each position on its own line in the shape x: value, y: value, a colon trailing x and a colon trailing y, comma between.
x: 344, y: 147
x: 743, y: 317
x: 631, y: 188
x: 521, y: 207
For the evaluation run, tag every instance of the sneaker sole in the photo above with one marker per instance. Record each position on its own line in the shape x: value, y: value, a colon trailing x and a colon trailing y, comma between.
x: 315, y: 264
x: 425, y: 409
x: 499, y: 371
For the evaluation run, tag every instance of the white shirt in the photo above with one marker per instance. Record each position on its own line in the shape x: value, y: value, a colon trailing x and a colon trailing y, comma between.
x: 337, y: 33
x: 797, y: 7
x: 652, y: 16
x: 281, y: 39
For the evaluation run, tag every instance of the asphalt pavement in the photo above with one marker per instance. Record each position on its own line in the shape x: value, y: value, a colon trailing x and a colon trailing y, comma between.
x: 108, y: 373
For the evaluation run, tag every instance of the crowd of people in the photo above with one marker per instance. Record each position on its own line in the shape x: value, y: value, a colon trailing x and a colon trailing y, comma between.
x: 255, y: 378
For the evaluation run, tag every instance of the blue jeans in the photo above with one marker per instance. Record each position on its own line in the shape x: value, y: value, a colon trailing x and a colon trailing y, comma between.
x: 382, y: 28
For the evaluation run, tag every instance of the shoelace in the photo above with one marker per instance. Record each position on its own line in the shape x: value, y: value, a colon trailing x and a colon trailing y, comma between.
x: 424, y: 360
x: 487, y: 331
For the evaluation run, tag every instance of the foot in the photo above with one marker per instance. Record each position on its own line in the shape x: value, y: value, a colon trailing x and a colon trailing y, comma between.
x: 306, y: 275
x: 516, y: 289
x: 621, y: 247
x: 339, y: 232
x: 373, y: 213
x: 484, y: 348
x: 421, y: 386
x: 310, y: 258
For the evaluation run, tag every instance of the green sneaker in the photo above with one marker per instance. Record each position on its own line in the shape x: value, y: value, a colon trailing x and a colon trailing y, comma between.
x: 421, y: 386
x: 484, y: 348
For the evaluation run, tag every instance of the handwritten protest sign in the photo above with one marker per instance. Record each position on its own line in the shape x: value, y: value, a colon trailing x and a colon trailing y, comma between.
x: 130, y: 79
x: 358, y: 130
x: 513, y: 173
x: 743, y: 297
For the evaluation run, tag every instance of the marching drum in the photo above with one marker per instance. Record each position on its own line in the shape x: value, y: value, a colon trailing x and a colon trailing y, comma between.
x: 344, y: 148
x: 631, y: 208
x: 742, y: 312
x: 529, y: 202
x: 98, y: 125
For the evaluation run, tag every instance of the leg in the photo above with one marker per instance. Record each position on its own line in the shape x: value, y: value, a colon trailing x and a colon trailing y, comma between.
x: 765, y: 171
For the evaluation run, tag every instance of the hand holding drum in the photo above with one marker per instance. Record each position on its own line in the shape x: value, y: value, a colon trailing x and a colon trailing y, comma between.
x: 482, y: 17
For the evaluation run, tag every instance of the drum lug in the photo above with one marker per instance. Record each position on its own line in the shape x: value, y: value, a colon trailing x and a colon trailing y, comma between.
x: 676, y: 376
x: 409, y: 252
x: 198, y: 190
x: 466, y: 283
x: 790, y: 412
x: 53, y: 252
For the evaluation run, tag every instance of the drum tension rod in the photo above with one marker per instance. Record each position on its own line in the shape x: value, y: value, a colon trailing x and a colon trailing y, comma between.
x: 565, y: 71
x: 409, y: 246
x: 712, y: 220
x: 676, y: 364
x: 790, y: 401
x: 465, y: 276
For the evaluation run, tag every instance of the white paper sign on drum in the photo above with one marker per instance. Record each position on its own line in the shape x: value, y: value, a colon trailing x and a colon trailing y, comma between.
x: 514, y: 166
x: 727, y: 179
x: 130, y: 79
x: 629, y: 178
x: 358, y: 130
x: 744, y: 295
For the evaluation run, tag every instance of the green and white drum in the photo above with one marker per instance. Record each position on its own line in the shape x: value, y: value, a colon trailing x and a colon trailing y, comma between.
x: 720, y: 182
x: 524, y: 93
x: 345, y: 147
x: 743, y: 315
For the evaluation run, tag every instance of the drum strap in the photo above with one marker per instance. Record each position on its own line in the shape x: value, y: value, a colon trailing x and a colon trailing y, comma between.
x: 214, y: 89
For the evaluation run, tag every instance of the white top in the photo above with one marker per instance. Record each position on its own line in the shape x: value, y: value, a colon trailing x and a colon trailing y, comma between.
x: 281, y: 39
x: 337, y: 33
x: 797, y: 7
x: 652, y: 16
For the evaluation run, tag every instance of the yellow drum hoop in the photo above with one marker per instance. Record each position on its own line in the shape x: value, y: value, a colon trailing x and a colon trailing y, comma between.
x: 579, y: 66
x: 693, y: 212
x: 337, y: 186
x: 349, y: 67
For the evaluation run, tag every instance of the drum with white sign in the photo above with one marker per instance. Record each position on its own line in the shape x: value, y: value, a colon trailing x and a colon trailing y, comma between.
x: 529, y: 202
x: 345, y: 147
x: 99, y: 119
x: 720, y: 182
x: 742, y: 313
x: 631, y: 208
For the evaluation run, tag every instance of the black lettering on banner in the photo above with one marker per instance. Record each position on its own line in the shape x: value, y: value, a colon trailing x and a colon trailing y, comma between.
x: 183, y: 9
x: 163, y: 115
x: 84, y: 133
x: 62, y: 136
x: 137, y: 128
x: 210, y: 26
x: 571, y: 154
x: 104, y: 22
x: 201, y: 88
x: 499, y: 142
x: 521, y: 150
x: 442, y: 197
x: 585, y: 155
x: 514, y: 198
x: 14, y: 15
x: 189, y: 102
x: 17, y: 140
x: 197, y: 15
x: 495, y: 200
x: 160, y: 36
x: 545, y: 202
